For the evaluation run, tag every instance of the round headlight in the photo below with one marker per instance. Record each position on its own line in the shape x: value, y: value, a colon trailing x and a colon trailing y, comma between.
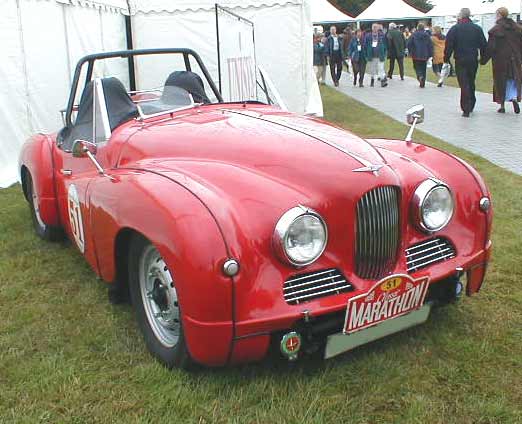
x: 300, y: 236
x: 434, y: 205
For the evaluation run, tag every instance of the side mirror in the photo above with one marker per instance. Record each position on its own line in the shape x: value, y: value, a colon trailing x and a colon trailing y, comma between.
x: 414, y: 116
x: 81, y: 148
x: 415, y: 113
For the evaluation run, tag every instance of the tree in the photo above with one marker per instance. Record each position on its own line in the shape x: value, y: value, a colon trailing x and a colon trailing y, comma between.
x: 354, y: 7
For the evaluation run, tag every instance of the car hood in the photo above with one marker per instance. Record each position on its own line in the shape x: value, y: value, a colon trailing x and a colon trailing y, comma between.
x: 288, y: 147
x: 249, y: 165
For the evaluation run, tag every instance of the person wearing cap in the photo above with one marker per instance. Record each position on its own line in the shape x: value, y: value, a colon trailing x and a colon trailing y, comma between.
x: 464, y: 41
x: 396, y: 48
x: 505, y: 50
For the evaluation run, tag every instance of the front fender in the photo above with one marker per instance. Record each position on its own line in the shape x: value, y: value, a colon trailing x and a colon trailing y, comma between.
x: 468, y: 188
x: 189, y: 240
x: 36, y: 156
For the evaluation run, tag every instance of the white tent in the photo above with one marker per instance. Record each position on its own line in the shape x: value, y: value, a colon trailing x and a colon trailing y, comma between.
x: 323, y: 12
x: 43, y: 39
x: 389, y: 10
x: 445, y: 12
x: 41, y: 43
x: 282, y: 30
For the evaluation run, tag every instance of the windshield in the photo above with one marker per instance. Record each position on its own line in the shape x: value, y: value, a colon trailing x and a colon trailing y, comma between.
x: 170, y: 98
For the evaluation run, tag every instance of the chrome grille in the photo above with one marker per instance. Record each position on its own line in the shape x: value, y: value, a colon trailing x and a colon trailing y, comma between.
x: 306, y: 287
x: 377, y: 232
x: 429, y: 252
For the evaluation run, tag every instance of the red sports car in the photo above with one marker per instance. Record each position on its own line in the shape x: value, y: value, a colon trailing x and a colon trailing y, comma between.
x: 237, y: 228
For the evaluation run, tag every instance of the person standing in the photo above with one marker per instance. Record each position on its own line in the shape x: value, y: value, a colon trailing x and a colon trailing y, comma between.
x: 464, y: 41
x: 375, y: 51
x: 396, y: 48
x: 505, y: 50
x: 319, y: 58
x: 335, y: 55
x: 439, y: 44
x: 347, y: 38
x: 357, y: 57
x: 420, y: 49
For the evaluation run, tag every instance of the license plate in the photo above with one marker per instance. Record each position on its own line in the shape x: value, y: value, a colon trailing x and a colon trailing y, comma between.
x: 388, y: 299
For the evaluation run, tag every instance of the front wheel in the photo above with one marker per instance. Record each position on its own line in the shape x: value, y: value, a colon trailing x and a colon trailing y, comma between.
x: 155, y: 300
x: 44, y: 231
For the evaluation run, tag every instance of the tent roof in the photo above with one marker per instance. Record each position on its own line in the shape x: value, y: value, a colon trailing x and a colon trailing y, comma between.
x: 388, y: 10
x: 100, y: 4
x: 147, y: 6
x: 325, y: 12
x: 477, y: 7
x: 491, y: 6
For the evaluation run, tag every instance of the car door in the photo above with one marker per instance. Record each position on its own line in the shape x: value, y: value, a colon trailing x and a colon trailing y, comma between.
x: 74, y: 174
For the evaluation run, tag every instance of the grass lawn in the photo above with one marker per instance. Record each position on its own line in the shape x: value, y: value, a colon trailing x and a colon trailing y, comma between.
x: 67, y: 355
x: 484, y: 81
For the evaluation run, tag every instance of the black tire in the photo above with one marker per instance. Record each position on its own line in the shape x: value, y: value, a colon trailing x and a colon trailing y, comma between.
x: 172, y: 356
x: 44, y: 231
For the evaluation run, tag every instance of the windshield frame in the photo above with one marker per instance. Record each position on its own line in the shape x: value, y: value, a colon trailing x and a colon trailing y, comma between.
x: 130, y: 54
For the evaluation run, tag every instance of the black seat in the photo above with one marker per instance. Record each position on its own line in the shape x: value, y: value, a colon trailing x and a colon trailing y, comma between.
x: 120, y: 109
x: 189, y: 81
x: 120, y: 106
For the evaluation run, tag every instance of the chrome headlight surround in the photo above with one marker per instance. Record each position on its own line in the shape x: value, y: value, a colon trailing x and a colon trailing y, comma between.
x: 282, y: 233
x: 422, y: 193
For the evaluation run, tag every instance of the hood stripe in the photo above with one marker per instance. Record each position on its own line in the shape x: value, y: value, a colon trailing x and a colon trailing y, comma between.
x: 336, y: 146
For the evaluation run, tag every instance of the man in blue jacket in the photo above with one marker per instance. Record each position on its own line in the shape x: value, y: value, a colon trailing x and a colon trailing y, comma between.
x: 464, y: 41
x: 334, y: 50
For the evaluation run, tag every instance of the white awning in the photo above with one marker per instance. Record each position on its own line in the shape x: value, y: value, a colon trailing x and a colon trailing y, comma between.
x: 324, y: 12
x: 390, y: 10
x: 477, y: 7
x: 120, y: 5
x: 147, y: 6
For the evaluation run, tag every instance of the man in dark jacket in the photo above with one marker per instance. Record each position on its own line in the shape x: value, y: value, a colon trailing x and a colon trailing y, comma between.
x: 334, y: 50
x: 464, y: 41
x: 420, y: 48
x: 396, y: 48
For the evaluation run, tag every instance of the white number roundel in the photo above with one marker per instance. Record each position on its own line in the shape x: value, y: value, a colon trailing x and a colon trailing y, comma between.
x: 75, y: 217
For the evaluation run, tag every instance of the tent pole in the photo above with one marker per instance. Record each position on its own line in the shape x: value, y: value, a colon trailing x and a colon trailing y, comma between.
x: 216, y: 6
x: 130, y: 46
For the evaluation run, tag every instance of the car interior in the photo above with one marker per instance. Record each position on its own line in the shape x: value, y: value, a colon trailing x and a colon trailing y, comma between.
x: 181, y: 89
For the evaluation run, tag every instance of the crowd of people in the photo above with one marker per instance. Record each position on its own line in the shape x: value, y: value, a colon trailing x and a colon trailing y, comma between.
x: 365, y: 52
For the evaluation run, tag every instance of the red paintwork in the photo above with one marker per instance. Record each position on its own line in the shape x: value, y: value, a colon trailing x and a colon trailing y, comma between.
x: 210, y: 183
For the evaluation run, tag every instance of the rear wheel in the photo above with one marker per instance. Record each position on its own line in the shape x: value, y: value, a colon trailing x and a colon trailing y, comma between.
x: 44, y: 231
x: 156, y: 305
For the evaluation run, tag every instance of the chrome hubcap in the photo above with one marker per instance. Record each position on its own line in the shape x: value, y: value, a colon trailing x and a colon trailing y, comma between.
x: 37, y: 209
x: 160, y: 298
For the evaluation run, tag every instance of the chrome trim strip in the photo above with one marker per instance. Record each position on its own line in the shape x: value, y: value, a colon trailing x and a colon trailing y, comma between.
x: 291, y: 280
x: 448, y: 256
x: 333, y: 283
x: 438, y: 252
x: 429, y: 249
x: 296, y: 299
x: 289, y: 284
